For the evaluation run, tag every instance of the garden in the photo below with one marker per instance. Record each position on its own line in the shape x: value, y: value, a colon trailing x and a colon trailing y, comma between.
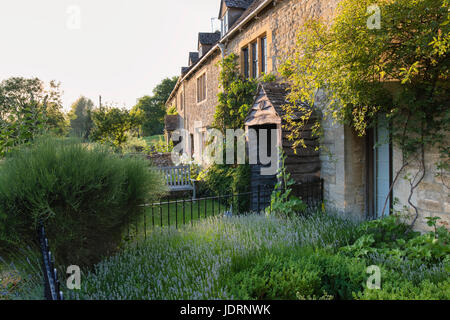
x: 86, y: 175
x: 86, y: 195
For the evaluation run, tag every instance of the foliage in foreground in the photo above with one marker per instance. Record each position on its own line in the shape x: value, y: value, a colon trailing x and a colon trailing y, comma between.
x: 84, y: 194
x: 22, y: 279
x: 257, y: 257
x: 282, y: 202
x: 195, y: 262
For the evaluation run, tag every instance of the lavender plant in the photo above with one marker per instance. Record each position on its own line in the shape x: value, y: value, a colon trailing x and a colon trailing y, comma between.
x: 194, y: 262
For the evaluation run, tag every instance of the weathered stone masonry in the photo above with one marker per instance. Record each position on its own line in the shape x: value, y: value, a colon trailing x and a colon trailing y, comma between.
x: 345, y: 171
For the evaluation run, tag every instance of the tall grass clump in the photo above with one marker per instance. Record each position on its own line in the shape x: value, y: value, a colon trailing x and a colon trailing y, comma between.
x: 83, y: 193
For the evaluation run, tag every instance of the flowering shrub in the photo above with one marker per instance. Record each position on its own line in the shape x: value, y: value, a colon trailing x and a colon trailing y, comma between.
x: 260, y: 257
x: 195, y: 262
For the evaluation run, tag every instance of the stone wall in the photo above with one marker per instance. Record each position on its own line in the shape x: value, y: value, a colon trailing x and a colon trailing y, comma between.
x: 432, y: 197
x: 161, y: 159
x: 343, y: 169
x: 344, y: 162
x: 205, y: 110
x: 281, y: 24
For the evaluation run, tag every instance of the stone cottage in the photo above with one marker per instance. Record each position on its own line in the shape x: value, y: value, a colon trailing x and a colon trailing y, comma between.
x: 357, y: 176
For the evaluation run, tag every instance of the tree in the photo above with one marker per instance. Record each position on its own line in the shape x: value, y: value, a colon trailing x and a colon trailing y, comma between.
x: 154, y: 108
x: 112, y: 124
x: 400, y: 70
x: 154, y: 112
x: 28, y: 109
x: 80, y: 117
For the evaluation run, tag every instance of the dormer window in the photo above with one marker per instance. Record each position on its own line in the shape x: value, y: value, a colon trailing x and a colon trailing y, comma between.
x: 225, y: 24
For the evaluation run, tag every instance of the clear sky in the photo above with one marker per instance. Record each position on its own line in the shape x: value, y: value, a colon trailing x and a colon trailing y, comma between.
x: 119, y: 49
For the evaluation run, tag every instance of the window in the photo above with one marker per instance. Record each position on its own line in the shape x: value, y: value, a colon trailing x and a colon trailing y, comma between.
x: 254, y: 47
x: 379, y: 169
x: 254, y: 57
x: 201, y: 88
x: 246, y: 65
x: 192, y: 145
x: 264, y: 55
x: 181, y: 101
x: 225, y: 24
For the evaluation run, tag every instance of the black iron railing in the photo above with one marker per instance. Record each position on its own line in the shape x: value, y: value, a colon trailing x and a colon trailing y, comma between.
x: 170, y: 212
x: 51, y: 282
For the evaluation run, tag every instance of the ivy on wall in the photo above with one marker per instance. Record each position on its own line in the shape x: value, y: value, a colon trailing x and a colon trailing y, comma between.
x: 399, y: 69
x: 236, y: 96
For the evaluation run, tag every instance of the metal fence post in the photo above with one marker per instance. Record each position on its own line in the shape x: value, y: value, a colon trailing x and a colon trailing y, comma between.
x: 168, y: 211
x: 184, y: 211
x: 259, y: 199
x: 51, y: 282
x: 192, y: 212
x: 322, y: 190
x: 145, y: 223
x: 160, y: 212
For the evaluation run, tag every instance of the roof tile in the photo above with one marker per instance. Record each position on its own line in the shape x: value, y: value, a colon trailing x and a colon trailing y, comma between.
x: 207, y: 38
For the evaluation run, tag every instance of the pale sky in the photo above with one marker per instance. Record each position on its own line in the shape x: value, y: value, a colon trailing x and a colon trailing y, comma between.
x: 119, y: 49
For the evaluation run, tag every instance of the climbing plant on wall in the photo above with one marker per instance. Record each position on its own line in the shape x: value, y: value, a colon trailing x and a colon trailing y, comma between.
x: 399, y: 68
x: 236, y: 96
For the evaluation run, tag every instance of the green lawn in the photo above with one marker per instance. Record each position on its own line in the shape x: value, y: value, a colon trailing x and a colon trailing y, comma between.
x: 152, y: 140
x: 183, y: 213
x: 177, y: 215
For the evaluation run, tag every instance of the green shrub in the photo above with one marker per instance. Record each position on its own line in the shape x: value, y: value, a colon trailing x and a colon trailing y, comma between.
x: 134, y: 144
x: 406, y: 290
x: 229, y: 179
x: 159, y: 146
x: 389, y: 236
x: 282, y: 202
x: 304, y: 274
x: 83, y: 193
x: 172, y: 111
x: 387, y: 229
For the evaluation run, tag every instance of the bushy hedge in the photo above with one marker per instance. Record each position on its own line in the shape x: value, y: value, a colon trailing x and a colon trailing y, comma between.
x: 84, y: 194
x: 302, y: 275
x: 229, y: 179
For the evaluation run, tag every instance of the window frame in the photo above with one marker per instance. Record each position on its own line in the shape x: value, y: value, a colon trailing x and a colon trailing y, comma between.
x: 202, y: 91
x: 246, y: 61
x: 254, y: 56
x: 225, y: 23
x: 263, y: 49
x: 181, y: 97
x: 258, y: 56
